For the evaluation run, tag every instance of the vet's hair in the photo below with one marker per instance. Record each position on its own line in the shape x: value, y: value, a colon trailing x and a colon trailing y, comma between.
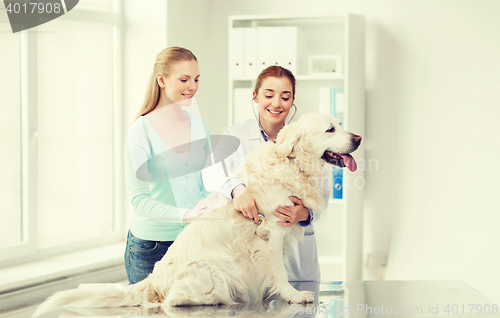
x: 164, y: 62
x: 275, y: 71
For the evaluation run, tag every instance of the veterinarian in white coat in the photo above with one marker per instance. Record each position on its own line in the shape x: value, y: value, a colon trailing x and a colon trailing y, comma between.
x: 275, y: 92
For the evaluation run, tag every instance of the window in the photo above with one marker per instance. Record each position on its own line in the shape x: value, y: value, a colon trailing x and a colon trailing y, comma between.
x: 10, y: 138
x: 61, y: 133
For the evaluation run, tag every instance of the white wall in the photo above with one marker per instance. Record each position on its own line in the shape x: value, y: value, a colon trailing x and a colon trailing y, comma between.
x: 146, y: 36
x: 190, y: 26
x: 445, y: 221
x: 433, y: 121
x: 202, y: 26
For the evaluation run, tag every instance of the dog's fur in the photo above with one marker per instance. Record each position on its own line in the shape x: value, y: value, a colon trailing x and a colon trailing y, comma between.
x: 228, y: 258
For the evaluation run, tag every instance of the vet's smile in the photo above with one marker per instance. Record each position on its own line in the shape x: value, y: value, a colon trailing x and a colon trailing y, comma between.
x: 274, y: 112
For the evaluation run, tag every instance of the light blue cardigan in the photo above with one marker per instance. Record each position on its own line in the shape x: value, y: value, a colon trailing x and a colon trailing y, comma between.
x: 160, y: 202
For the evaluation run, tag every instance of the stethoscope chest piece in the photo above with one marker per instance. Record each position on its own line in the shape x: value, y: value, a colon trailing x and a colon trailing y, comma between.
x: 260, y: 219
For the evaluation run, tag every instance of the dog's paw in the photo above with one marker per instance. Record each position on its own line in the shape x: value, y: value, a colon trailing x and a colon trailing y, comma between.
x: 302, y: 298
x: 177, y: 297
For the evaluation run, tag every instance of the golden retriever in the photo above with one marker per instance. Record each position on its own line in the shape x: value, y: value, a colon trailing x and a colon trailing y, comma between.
x: 229, y: 259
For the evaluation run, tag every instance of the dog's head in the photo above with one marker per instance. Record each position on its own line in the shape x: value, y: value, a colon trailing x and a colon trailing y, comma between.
x: 321, y: 137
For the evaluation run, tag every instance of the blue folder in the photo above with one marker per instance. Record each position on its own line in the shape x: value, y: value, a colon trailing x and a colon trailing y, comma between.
x: 338, y: 185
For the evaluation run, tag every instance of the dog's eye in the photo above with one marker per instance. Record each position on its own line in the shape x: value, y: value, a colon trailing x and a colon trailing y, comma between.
x: 331, y: 129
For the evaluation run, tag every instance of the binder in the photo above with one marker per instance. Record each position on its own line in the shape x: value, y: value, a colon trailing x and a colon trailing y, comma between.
x: 263, y: 47
x: 339, y: 101
x: 338, y: 183
x: 250, y: 52
x: 276, y: 47
x: 333, y: 104
x: 338, y: 173
x: 325, y: 100
x: 236, y: 52
x: 290, y: 48
x: 270, y: 47
x: 339, y: 104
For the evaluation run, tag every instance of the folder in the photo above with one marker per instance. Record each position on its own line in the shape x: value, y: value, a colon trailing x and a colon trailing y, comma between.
x: 338, y: 173
x: 333, y: 101
x: 290, y: 48
x: 270, y: 47
x: 324, y: 100
x: 338, y: 183
x: 339, y: 104
x: 276, y: 47
x: 236, y: 53
x: 339, y: 101
x: 250, y: 52
x: 263, y: 48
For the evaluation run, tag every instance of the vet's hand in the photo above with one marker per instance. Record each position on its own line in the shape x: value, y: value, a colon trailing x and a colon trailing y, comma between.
x: 245, y: 203
x: 198, y: 210
x: 292, y: 214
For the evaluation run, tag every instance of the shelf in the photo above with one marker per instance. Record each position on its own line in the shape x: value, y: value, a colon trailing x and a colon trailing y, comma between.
x: 283, y: 20
x: 285, y: 17
x: 315, y: 77
x: 339, y: 232
x: 253, y: 78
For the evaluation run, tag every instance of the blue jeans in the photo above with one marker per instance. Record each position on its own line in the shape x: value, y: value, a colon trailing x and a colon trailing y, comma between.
x: 141, y: 256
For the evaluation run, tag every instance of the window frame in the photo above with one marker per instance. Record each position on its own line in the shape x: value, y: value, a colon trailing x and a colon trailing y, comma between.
x: 28, y: 249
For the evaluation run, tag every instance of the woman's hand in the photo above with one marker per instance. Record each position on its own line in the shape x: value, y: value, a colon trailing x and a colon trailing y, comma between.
x: 198, y: 210
x: 245, y: 203
x: 292, y: 214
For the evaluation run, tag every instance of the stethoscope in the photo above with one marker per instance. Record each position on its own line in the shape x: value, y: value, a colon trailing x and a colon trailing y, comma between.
x: 258, y: 119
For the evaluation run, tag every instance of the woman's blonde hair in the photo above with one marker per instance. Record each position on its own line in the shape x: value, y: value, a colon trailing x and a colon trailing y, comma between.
x: 163, y: 64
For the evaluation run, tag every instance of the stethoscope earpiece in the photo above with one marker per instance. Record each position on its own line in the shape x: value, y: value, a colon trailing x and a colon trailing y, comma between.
x: 294, y: 113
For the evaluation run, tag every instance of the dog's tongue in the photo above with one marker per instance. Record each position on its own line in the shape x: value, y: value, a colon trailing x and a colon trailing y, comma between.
x: 349, y: 162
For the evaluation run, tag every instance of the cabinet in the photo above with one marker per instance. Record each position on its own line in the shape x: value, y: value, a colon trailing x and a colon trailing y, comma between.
x: 325, y: 52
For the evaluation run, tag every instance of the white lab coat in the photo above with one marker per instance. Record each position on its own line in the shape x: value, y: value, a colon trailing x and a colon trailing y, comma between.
x: 302, y: 262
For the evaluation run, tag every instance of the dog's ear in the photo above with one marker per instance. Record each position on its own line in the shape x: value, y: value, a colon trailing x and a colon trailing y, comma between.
x: 288, y: 137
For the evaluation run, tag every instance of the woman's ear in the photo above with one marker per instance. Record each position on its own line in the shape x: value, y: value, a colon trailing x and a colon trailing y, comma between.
x: 288, y: 138
x: 160, y: 79
x: 255, y: 99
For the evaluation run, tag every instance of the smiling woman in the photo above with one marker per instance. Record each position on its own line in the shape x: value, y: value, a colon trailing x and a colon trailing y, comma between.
x: 161, y: 208
x: 275, y: 93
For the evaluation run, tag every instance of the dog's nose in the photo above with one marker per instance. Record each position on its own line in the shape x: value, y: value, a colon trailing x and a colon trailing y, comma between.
x: 356, y: 139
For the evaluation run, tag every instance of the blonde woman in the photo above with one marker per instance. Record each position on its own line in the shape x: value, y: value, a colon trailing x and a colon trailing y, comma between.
x: 163, y: 166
